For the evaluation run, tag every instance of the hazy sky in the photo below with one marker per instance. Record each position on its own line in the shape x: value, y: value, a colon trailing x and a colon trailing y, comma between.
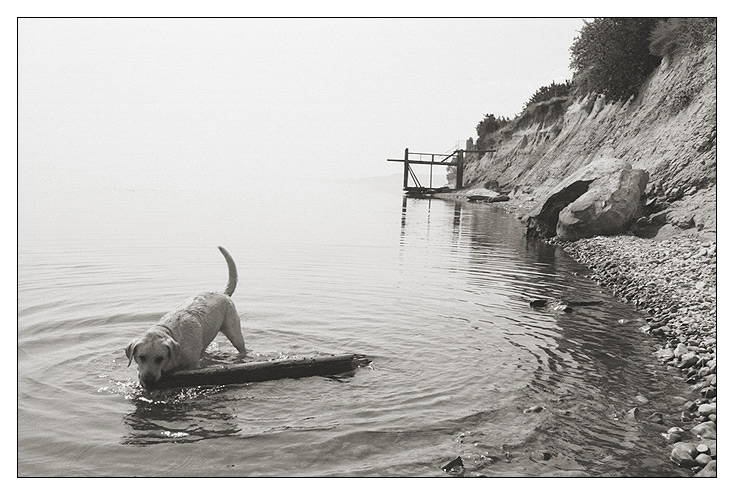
x: 195, y: 103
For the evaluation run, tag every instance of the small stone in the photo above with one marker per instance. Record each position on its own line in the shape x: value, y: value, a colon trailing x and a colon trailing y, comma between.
x: 702, y: 448
x: 680, y: 350
x: 705, y: 430
x: 665, y: 354
x: 659, y: 332
x: 688, y: 359
x: 703, y: 459
x: 711, y: 444
x: 708, y: 472
x: 706, y: 409
x: 709, y: 392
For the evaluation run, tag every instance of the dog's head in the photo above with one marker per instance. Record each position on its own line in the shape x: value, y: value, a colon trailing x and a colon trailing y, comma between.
x: 154, y: 352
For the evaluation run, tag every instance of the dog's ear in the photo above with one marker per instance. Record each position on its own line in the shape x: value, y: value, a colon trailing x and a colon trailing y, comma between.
x: 174, y: 348
x: 130, y: 351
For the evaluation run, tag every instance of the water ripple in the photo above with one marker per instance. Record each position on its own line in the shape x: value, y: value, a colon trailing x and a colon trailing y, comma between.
x: 435, y: 293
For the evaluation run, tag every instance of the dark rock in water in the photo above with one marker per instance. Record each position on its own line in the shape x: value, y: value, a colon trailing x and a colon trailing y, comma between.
x: 709, y: 392
x: 453, y: 464
x: 674, y: 434
x: 655, y: 417
x: 602, y: 198
x: 684, y: 454
x: 672, y: 437
x: 541, y: 456
x: 478, y: 198
x: 533, y: 409
x: 708, y: 472
x: 633, y: 414
x: 500, y: 199
x: 559, y: 305
x: 686, y: 417
x: 658, y: 323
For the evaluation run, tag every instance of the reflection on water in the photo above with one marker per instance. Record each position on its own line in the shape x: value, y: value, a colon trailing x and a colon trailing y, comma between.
x: 435, y: 292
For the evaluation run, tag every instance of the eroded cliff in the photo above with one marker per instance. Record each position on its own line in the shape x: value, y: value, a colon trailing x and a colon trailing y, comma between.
x: 669, y: 130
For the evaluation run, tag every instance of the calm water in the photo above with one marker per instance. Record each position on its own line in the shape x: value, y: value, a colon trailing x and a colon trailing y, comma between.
x: 436, y: 293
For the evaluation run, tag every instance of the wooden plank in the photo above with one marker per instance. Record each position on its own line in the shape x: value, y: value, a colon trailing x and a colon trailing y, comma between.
x: 421, y: 162
x: 260, y: 371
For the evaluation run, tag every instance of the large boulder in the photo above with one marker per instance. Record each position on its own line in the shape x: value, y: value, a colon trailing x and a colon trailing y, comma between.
x: 602, y: 198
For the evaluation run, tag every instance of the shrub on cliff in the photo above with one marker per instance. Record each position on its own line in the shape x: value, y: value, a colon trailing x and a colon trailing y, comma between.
x: 486, y: 127
x: 545, y: 93
x: 678, y: 33
x: 611, y: 56
x: 490, y: 124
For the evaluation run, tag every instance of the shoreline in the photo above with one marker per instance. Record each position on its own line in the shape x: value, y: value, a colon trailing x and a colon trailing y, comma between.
x: 673, y: 282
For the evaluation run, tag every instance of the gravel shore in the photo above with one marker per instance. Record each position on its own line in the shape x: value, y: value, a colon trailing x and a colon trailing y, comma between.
x: 674, y: 282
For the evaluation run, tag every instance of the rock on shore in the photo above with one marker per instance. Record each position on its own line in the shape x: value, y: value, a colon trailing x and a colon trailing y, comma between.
x: 674, y: 282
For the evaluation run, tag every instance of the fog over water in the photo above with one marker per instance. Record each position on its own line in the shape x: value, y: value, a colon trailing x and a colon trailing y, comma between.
x: 219, y: 103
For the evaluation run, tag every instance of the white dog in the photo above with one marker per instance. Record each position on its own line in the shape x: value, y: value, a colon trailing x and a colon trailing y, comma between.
x: 180, y: 338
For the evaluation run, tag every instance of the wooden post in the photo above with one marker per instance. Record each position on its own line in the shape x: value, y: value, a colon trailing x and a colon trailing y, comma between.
x: 430, y: 177
x: 459, y: 169
x: 405, y: 170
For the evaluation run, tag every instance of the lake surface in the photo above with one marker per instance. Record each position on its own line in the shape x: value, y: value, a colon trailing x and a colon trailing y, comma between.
x: 435, y: 292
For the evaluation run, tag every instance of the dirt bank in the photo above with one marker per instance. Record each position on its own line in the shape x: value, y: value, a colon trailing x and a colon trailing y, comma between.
x: 669, y: 130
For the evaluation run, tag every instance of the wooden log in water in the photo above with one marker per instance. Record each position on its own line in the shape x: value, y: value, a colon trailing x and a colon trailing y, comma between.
x: 261, y: 371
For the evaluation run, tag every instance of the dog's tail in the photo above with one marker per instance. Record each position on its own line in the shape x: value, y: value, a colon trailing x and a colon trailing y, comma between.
x: 232, y: 282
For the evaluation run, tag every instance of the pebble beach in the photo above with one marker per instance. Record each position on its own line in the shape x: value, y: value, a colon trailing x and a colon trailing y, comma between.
x: 673, y: 281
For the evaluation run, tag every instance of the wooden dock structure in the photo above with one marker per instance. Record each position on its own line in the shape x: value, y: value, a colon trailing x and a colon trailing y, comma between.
x: 453, y: 159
